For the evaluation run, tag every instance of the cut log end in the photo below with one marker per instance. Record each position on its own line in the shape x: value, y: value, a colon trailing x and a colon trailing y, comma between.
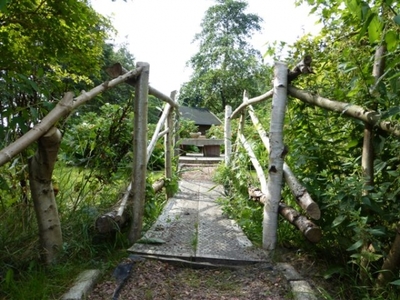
x: 313, y: 211
x: 313, y: 234
x: 106, y: 224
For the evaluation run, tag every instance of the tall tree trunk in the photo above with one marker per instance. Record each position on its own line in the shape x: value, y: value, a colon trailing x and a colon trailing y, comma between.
x: 41, y: 167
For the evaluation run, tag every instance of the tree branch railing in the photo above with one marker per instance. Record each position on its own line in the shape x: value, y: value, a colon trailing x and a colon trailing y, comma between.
x: 64, y: 108
x: 301, y: 195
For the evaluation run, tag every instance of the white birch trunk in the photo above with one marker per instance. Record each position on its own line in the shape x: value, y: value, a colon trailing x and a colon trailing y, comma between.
x: 228, y: 135
x: 275, y: 168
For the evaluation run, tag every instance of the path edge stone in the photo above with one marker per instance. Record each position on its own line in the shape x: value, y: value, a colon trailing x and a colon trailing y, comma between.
x: 83, y: 285
x: 301, y: 289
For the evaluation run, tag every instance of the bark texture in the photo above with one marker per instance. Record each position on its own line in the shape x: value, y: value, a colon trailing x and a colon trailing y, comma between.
x: 275, y: 165
x: 311, y: 231
x: 118, y: 216
x: 354, y: 111
x: 41, y: 167
x: 392, y: 262
x: 301, y: 194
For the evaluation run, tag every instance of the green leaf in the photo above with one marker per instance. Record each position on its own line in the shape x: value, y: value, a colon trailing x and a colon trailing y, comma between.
x: 396, y: 282
x: 392, y: 40
x: 332, y: 271
x: 352, y: 144
x: 391, y: 112
x: 374, y: 29
x: 354, y: 7
x: 376, y: 232
x: 356, y: 245
x: 3, y: 4
x: 339, y: 220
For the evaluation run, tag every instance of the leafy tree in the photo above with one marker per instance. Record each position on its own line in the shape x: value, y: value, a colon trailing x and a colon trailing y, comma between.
x: 47, y: 48
x: 226, y: 64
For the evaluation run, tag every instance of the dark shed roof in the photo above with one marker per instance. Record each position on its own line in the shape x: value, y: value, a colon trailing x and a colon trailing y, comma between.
x: 200, y: 116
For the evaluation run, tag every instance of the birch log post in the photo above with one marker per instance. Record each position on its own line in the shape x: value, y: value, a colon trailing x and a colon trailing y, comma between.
x: 118, y: 215
x: 300, y: 193
x: 228, y: 135
x: 139, y: 151
x: 391, y: 262
x: 169, y: 144
x: 275, y: 166
x: 41, y: 167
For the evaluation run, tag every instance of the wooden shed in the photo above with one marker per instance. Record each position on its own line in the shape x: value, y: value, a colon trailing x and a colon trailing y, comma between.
x: 202, y: 117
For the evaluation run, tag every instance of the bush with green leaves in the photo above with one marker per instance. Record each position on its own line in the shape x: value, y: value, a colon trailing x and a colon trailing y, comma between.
x: 187, y: 126
x: 102, y: 141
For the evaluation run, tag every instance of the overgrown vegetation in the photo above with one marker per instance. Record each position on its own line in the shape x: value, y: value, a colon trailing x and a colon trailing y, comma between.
x: 359, y: 218
x: 93, y: 167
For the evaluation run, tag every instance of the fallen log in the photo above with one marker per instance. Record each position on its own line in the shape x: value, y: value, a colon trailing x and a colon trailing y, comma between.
x: 311, y: 231
x: 118, y: 216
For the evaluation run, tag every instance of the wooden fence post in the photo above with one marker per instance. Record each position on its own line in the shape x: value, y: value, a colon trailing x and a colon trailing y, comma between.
x: 139, y: 151
x: 228, y: 135
x: 169, y: 143
x: 276, y: 154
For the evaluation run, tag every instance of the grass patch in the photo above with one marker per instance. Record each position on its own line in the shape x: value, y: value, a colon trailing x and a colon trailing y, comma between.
x: 82, y: 197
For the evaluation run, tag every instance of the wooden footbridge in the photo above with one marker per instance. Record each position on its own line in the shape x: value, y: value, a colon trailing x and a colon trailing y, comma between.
x: 192, y: 226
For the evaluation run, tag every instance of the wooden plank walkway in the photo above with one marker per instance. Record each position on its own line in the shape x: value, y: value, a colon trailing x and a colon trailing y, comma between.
x: 193, y: 227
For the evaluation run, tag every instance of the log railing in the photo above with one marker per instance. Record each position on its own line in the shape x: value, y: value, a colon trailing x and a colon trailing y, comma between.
x: 311, y: 231
x: 139, y: 79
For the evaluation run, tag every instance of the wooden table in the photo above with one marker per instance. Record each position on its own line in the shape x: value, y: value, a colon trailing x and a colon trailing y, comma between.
x: 211, y: 147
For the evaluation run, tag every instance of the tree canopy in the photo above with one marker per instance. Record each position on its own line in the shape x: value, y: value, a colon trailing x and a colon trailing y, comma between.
x: 47, y: 48
x: 226, y: 63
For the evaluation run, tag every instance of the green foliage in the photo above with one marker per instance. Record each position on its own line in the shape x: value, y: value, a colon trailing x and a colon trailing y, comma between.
x: 237, y: 204
x: 226, y: 64
x: 101, y: 141
x: 157, y: 158
x: 187, y: 126
x: 29, y: 49
x: 81, y: 198
x: 216, y: 131
x: 325, y: 149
